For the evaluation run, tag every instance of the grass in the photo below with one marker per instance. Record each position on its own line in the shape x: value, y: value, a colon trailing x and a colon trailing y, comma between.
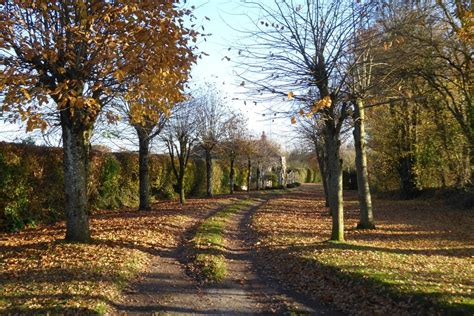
x: 420, y: 257
x: 209, y: 242
x: 42, y: 274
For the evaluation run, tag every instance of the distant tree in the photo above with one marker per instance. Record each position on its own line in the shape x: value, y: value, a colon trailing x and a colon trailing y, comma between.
x: 212, y: 117
x: 248, y: 151
x: 79, y: 54
x: 233, y: 144
x: 179, y: 137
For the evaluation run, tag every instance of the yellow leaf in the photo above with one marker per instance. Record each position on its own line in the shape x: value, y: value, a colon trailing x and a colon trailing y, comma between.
x: 293, y: 120
x: 290, y: 95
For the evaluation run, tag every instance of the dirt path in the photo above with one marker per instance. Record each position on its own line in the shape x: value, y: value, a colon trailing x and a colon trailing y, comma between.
x: 166, y: 289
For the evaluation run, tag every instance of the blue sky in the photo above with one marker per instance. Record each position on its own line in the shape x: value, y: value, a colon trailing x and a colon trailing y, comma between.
x: 227, y: 17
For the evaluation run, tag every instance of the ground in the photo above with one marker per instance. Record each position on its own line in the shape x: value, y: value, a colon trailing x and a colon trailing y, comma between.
x: 275, y: 254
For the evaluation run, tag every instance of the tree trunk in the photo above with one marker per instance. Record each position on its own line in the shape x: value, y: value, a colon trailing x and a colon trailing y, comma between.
x: 209, y: 173
x: 365, y: 200
x: 249, y: 173
x: 258, y: 177
x: 334, y: 170
x: 320, y: 156
x: 75, y: 163
x: 405, y: 131
x: 231, y: 176
x: 144, y: 177
x: 182, y: 198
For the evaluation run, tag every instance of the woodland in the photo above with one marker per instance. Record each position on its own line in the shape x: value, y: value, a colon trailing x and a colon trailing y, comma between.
x: 370, y: 212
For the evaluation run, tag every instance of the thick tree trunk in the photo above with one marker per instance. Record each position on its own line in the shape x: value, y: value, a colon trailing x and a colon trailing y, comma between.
x: 231, y: 176
x: 75, y: 163
x: 334, y: 170
x: 143, y: 175
x: 209, y: 173
x: 249, y: 173
x: 365, y: 200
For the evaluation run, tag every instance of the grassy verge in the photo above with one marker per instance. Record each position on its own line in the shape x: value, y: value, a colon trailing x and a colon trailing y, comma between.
x: 418, y: 260
x: 41, y: 274
x: 208, y: 261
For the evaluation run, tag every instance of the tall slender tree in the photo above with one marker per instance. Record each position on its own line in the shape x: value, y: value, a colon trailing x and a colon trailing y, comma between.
x: 179, y: 137
x: 212, y: 117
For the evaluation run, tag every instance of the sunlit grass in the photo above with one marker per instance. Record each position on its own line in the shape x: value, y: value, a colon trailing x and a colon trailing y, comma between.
x: 209, y: 242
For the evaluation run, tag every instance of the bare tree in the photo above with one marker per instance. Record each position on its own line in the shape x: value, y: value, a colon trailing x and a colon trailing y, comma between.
x: 212, y: 118
x: 299, y: 46
x: 232, y: 145
x: 179, y: 136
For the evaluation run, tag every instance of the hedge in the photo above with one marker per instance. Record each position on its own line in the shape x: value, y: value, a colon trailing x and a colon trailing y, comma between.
x: 31, y: 182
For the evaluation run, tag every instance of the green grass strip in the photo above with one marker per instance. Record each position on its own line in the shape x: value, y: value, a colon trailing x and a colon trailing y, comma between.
x: 209, y: 242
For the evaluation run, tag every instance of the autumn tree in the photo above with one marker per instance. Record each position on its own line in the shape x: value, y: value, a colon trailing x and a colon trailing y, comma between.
x: 179, y: 136
x: 429, y: 38
x: 361, y: 87
x: 148, y: 109
x: 79, y: 54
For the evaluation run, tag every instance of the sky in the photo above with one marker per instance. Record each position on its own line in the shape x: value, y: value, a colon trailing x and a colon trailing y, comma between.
x: 227, y: 19
x: 224, y: 20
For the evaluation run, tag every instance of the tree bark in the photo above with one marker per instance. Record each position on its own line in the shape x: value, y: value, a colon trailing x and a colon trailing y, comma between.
x: 75, y: 164
x: 249, y: 173
x: 144, y: 177
x: 182, y: 198
x: 231, y: 176
x: 320, y: 156
x: 209, y: 173
x: 334, y: 171
x: 365, y: 201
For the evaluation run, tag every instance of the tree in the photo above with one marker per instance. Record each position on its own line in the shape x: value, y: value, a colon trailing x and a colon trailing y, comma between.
x: 78, y: 54
x: 297, y: 47
x: 147, y: 126
x: 360, y: 84
x: 179, y: 137
x: 147, y: 110
x: 232, y: 145
x: 430, y: 38
x: 212, y: 118
x: 248, y: 150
